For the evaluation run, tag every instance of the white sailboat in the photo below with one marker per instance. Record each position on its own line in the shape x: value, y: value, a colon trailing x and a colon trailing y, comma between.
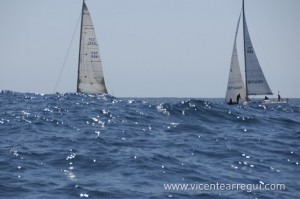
x: 90, y: 72
x: 255, y: 81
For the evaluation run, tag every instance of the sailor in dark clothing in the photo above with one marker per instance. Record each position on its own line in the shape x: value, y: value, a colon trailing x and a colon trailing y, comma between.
x: 238, y: 97
x: 266, y: 98
x: 230, y: 101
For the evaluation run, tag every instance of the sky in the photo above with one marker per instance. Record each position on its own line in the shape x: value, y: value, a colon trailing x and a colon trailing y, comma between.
x: 149, y: 48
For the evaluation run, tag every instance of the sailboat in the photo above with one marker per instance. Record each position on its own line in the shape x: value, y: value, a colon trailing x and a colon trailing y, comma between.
x: 90, y: 72
x: 255, y: 81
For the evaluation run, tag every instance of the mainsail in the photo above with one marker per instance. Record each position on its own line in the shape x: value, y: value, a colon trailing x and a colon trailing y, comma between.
x: 235, y: 84
x: 90, y: 73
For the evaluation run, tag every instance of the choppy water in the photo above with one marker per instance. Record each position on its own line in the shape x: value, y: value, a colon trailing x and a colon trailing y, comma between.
x: 89, y: 146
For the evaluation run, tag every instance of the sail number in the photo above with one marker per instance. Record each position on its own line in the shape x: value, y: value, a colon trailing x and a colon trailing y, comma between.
x: 250, y: 49
x: 94, y: 54
x: 92, y: 41
x: 234, y: 87
x: 258, y: 81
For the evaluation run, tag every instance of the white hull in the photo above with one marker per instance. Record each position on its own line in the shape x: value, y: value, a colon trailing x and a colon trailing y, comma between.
x: 267, y: 103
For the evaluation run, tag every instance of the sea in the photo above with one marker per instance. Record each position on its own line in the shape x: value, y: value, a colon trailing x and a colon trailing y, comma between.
x: 99, y: 146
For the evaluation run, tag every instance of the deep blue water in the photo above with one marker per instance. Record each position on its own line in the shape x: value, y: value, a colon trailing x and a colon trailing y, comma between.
x: 90, y: 146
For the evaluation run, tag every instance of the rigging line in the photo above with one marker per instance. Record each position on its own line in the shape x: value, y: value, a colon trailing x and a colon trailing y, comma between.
x: 67, y: 55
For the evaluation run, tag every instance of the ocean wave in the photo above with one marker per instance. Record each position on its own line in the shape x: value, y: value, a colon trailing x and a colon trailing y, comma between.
x: 79, y: 145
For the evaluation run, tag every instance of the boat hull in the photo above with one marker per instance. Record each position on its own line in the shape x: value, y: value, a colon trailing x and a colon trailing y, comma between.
x: 267, y: 103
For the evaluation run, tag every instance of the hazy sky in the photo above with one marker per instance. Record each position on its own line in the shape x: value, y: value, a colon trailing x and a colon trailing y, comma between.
x: 149, y: 48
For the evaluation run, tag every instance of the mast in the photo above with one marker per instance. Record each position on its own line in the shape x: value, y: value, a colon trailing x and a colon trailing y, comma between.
x: 80, y: 47
x: 244, y: 21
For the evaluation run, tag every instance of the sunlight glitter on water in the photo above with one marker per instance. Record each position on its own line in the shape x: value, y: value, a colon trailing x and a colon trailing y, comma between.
x: 141, y: 145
